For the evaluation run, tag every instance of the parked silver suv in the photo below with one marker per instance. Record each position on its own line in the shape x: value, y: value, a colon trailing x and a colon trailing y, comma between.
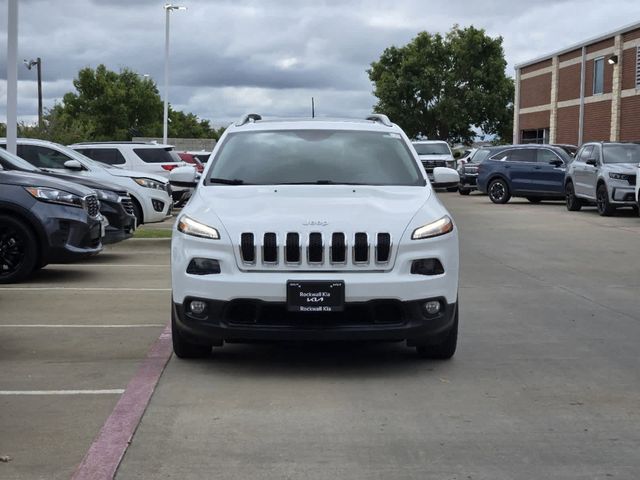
x: 604, y: 174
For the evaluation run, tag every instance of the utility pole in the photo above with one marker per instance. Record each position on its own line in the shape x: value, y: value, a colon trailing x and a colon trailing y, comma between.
x: 313, y: 108
x: 168, y: 8
x: 12, y: 75
x: 37, y: 63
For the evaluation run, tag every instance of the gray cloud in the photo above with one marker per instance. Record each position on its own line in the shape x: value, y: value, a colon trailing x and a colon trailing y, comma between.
x: 230, y: 56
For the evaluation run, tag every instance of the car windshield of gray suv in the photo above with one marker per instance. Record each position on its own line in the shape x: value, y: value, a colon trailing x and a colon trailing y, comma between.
x: 621, y: 153
x: 315, y: 157
x: 431, y: 149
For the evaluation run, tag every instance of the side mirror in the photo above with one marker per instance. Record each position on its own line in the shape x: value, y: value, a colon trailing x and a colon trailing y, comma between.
x: 445, y: 177
x: 593, y: 162
x: 184, y: 177
x: 557, y: 163
x: 73, y: 165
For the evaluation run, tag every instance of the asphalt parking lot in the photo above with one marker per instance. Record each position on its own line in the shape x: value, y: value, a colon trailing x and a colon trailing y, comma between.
x: 545, y: 384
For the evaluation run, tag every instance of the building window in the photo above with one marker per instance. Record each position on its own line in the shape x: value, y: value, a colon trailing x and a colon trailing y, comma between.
x: 539, y: 135
x: 598, y: 75
x: 638, y: 67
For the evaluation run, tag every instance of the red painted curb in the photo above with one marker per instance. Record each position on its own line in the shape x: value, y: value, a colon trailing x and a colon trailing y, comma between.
x: 108, y: 449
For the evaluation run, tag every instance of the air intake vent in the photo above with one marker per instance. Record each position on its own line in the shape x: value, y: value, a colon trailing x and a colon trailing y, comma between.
x: 338, y: 248
x: 248, y: 248
x: 292, y: 252
x: 383, y: 247
x: 315, y: 247
x: 270, y: 248
x: 361, y: 248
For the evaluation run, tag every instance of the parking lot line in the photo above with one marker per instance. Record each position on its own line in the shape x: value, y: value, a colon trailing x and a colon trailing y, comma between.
x: 40, y: 325
x: 108, y: 449
x: 113, y: 391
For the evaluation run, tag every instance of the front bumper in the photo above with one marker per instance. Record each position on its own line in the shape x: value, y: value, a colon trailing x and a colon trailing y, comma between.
x: 623, y: 196
x: 468, y: 180
x: 250, y: 320
x: 121, y: 224
x: 70, y: 233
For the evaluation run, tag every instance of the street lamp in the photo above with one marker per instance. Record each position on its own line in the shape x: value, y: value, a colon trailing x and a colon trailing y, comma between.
x: 37, y: 63
x: 168, y: 8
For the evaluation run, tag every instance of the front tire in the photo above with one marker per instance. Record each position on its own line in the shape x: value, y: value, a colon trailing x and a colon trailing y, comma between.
x: 452, y: 189
x: 137, y: 212
x: 605, y: 209
x: 574, y: 204
x: 18, y: 250
x: 499, y: 191
x: 464, y: 191
x: 444, y: 350
x: 183, y: 348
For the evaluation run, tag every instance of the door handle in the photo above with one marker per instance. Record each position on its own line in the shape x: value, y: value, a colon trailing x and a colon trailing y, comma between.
x: 507, y: 166
x: 537, y: 167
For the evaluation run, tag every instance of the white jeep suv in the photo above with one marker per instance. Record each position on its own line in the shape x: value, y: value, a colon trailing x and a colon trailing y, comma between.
x: 314, y: 230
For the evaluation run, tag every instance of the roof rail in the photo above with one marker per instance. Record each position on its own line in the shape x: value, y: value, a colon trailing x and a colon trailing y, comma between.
x: 380, y: 118
x: 248, y: 118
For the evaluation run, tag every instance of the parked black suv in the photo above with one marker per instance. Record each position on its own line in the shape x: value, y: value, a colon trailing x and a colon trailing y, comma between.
x: 115, y: 204
x: 44, y: 220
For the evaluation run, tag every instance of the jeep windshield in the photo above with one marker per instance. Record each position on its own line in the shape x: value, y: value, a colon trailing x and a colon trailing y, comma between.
x: 432, y: 148
x: 621, y: 153
x: 319, y: 157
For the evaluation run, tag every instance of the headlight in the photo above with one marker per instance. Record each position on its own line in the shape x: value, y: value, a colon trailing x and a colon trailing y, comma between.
x: 107, y: 195
x: 451, y: 164
x: 148, y: 183
x: 53, y: 195
x: 619, y: 176
x: 433, y: 229
x: 189, y: 226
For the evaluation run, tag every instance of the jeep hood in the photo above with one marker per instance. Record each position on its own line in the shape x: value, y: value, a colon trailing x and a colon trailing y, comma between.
x: 305, y: 209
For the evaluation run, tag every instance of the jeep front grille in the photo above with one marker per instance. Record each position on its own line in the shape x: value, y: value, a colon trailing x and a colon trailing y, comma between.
x: 315, y: 249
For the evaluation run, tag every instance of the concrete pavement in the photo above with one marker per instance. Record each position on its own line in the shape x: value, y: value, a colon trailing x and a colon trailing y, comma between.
x: 546, y: 382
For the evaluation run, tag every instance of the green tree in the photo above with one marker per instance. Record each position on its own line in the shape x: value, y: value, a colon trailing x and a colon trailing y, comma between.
x: 445, y: 87
x: 3, y: 130
x: 58, y: 127
x: 116, y: 104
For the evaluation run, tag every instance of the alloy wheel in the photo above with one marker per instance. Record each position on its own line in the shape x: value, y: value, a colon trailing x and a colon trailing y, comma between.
x: 12, y: 251
x: 497, y: 191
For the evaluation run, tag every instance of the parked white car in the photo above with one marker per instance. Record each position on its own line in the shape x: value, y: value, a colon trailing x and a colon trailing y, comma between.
x: 148, y: 157
x: 435, y: 153
x: 314, y: 230
x: 151, y: 194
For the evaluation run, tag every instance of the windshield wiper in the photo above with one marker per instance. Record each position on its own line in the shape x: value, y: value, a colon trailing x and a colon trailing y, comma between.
x: 323, y: 182
x: 228, y: 181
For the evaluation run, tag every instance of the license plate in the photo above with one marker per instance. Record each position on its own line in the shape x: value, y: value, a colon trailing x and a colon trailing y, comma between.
x: 315, y: 296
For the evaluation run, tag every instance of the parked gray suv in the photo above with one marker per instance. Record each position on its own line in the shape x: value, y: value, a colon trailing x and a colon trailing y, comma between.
x: 604, y: 174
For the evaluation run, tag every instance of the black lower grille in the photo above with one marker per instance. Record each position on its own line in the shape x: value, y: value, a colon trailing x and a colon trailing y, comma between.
x: 292, y: 253
x: 632, y: 179
x: 251, y: 312
x: 248, y: 247
x: 127, y: 204
x: 270, y: 246
x: 361, y: 248
x: 92, y: 205
x: 383, y: 247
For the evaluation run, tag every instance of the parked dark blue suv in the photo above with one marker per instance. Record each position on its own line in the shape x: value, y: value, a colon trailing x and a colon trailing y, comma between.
x: 535, y: 172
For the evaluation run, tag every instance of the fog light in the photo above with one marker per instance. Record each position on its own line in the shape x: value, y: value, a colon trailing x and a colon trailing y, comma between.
x: 432, y: 307
x: 203, y: 266
x: 197, y: 307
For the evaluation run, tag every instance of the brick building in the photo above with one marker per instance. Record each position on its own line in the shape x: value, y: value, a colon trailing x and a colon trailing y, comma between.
x: 589, y: 91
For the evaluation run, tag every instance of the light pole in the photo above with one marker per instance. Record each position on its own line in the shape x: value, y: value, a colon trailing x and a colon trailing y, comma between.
x: 12, y: 75
x: 168, y: 8
x: 38, y: 63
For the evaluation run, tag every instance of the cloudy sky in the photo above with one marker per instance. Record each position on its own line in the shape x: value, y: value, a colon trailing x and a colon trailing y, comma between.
x: 233, y: 56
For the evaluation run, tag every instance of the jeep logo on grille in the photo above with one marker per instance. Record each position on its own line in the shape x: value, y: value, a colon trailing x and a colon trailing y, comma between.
x: 315, y: 223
